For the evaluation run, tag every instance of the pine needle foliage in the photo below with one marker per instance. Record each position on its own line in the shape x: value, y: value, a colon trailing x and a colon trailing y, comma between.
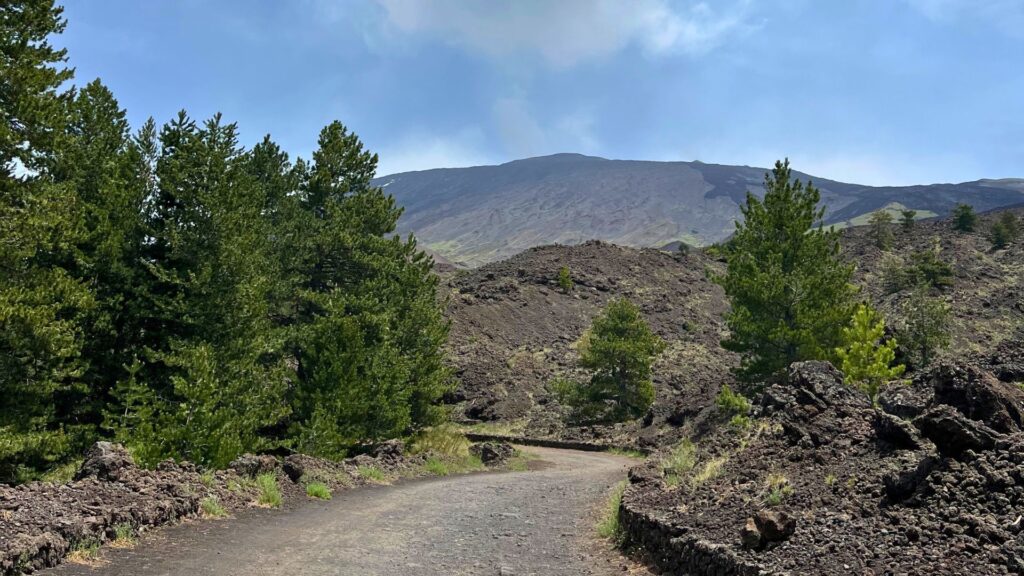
x: 866, y: 357
x: 790, y: 292
x: 192, y: 298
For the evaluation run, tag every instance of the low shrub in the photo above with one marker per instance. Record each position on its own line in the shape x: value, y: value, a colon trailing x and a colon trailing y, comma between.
x: 444, y: 440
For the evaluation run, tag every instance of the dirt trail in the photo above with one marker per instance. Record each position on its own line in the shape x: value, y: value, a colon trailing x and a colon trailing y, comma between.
x: 524, y: 523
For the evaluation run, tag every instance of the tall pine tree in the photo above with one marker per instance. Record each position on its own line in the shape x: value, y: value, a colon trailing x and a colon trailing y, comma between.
x: 790, y: 292
x: 40, y: 223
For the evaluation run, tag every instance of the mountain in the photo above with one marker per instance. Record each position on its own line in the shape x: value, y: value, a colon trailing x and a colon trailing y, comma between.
x: 481, y: 214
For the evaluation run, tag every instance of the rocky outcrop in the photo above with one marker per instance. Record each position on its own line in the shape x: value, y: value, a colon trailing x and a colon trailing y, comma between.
x: 827, y: 484
x: 978, y: 395
x: 953, y: 433
x: 105, y: 461
x: 253, y: 465
x: 492, y: 453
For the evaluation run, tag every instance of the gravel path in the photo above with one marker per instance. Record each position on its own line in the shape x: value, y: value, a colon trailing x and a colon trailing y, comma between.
x: 523, y: 523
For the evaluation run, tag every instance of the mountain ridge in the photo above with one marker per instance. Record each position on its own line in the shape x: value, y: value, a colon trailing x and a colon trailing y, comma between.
x: 480, y: 214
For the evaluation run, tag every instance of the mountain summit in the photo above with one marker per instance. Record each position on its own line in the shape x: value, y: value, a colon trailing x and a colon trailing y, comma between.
x: 476, y: 215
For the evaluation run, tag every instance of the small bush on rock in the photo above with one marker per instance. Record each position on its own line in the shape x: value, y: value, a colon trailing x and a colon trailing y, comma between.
x: 907, y: 219
x: 620, y: 353
x: 124, y: 536
x: 881, y: 229
x: 925, y: 327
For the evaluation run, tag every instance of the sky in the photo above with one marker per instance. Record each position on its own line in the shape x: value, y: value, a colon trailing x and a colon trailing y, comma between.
x: 865, y: 91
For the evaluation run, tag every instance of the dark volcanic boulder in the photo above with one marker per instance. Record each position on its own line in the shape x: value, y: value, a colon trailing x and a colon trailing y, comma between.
x: 390, y: 450
x: 953, y: 433
x: 106, y: 461
x: 253, y: 465
x: 774, y: 525
x: 896, y: 432
x: 294, y: 467
x: 979, y: 396
x: 906, y: 401
x: 492, y: 452
x: 901, y: 482
x: 815, y: 384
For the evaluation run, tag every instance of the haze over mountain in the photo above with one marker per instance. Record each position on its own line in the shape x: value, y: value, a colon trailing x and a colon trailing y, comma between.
x: 480, y: 214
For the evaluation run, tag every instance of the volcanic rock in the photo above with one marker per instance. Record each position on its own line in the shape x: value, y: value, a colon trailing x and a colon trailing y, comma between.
x: 106, y: 461
x: 953, y: 433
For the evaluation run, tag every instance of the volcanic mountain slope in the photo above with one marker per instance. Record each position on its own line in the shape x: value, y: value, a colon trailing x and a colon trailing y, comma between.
x: 476, y: 215
x: 514, y: 330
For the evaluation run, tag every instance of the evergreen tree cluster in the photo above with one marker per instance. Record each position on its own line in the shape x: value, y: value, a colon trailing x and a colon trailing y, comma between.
x: 190, y: 297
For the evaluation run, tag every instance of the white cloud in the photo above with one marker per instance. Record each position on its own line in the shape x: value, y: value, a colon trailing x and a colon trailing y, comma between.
x: 1007, y: 15
x: 566, y: 32
x: 422, y: 151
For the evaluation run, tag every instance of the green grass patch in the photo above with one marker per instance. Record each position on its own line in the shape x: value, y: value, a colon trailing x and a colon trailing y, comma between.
x: 372, y: 473
x: 211, y: 508
x: 443, y: 440
x: 628, y: 452
x: 85, y: 552
x: 608, y: 526
x: 124, y: 536
x: 712, y: 469
x: 436, y: 466
x: 207, y: 479
x: 520, y: 461
x: 679, y: 462
x: 270, y: 492
x: 318, y: 490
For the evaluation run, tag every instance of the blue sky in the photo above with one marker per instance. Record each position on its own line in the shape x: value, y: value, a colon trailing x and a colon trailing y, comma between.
x: 868, y: 91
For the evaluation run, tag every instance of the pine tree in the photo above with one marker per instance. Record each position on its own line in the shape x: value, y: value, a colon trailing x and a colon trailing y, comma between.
x: 102, y: 164
x: 620, y: 351
x: 907, y: 221
x: 789, y: 290
x: 565, y: 279
x: 367, y: 329
x: 866, y: 358
x: 1004, y: 231
x: 964, y: 218
x: 214, y: 366
x: 41, y: 303
x: 881, y: 230
x: 925, y: 326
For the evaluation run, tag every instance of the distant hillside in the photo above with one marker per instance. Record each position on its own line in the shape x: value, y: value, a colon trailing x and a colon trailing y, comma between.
x: 472, y: 216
